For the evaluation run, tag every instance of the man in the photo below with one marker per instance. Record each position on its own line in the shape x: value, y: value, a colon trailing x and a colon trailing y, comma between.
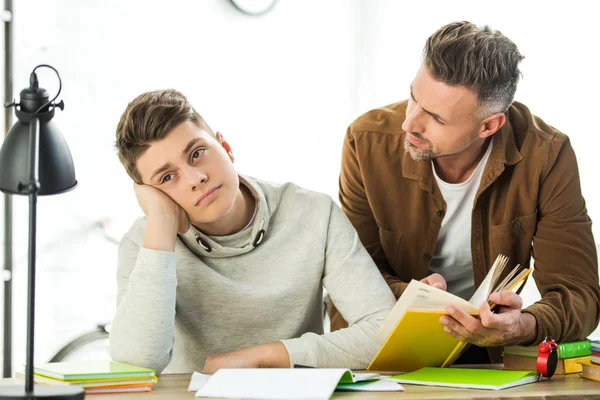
x: 438, y: 185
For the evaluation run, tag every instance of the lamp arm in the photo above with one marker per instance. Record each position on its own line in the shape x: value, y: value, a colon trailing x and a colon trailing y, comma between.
x: 31, y: 188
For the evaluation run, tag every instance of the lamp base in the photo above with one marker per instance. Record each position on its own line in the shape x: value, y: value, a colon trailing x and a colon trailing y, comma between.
x: 42, y: 392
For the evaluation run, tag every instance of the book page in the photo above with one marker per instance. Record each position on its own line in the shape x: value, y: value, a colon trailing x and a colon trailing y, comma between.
x: 420, y: 296
x: 483, y: 291
x: 512, y: 281
x: 273, y: 383
x: 198, y: 381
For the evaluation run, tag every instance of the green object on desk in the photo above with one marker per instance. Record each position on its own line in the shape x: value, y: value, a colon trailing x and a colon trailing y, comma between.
x: 350, y: 377
x: 565, y: 350
x: 574, y: 349
x: 490, y: 379
x: 89, y: 370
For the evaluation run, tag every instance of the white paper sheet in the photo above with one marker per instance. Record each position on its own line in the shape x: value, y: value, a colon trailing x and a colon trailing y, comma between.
x: 373, y: 386
x: 273, y: 384
x: 198, y: 381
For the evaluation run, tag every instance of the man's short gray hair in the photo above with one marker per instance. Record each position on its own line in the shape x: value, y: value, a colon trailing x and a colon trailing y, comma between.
x: 463, y: 54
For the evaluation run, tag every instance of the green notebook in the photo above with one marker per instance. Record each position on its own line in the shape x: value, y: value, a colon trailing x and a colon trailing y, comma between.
x: 491, y: 379
x: 89, y: 370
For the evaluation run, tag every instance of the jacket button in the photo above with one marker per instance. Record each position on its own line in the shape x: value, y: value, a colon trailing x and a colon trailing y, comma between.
x: 427, y: 256
x: 440, y: 213
x: 517, y: 224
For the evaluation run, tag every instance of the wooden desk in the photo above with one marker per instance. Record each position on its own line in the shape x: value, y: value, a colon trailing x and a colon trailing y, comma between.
x: 174, y: 387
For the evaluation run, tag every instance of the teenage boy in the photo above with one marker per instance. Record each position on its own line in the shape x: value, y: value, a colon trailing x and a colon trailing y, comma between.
x: 227, y: 271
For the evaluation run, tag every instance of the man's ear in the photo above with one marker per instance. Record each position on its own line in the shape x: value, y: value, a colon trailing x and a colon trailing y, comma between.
x: 225, y: 145
x: 491, y: 125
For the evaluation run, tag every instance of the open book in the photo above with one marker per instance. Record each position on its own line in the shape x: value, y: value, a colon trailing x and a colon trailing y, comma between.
x: 412, y: 336
x: 286, y: 383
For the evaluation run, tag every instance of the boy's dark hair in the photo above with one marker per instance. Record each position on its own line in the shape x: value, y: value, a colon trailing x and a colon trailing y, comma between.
x: 149, y: 118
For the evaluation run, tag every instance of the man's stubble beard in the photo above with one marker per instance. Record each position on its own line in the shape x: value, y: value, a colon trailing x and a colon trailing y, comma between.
x: 416, y: 153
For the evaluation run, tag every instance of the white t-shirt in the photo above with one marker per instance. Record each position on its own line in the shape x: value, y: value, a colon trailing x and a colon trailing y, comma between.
x: 452, y: 257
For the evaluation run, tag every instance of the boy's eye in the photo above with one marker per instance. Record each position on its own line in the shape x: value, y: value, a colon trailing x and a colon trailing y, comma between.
x: 197, y: 153
x: 166, y: 178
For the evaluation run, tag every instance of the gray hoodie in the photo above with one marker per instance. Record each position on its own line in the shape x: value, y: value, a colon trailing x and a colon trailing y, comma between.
x: 262, y: 284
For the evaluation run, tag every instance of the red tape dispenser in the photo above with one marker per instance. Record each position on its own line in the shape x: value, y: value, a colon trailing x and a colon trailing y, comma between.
x: 547, y: 358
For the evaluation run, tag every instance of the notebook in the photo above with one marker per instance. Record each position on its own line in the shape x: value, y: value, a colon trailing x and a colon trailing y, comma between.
x: 119, y: 389
x: 275, y: 383
x: 412, y: 336
x: 490, y: 379
x: 89, y: 370
x: 595, y: 343
x: 89, y: 383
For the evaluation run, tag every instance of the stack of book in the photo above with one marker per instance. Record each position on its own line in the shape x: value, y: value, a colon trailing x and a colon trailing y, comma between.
x: 591, y: 368
x: 570, y: 357
x: 95, y: 376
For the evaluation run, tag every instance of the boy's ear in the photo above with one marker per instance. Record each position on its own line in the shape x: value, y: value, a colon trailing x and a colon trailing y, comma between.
x: 225, y: 145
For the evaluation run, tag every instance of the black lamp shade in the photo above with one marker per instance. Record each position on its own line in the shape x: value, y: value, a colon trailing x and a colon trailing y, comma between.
x: 56, y: 170
x: 35, y: 160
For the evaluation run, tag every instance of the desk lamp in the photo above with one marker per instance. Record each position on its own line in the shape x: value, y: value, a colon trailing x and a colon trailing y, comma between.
x: 35, y: 161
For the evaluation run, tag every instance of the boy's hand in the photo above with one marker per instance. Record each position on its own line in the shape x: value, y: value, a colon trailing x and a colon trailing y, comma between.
x: 165, y: 218
x: 271, y: 355
x: 153, y: 201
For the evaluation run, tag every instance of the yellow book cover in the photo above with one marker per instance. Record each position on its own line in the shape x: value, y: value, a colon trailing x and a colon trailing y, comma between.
x: 590, y: 370
x: 573, y: 365
x: 412, y: 336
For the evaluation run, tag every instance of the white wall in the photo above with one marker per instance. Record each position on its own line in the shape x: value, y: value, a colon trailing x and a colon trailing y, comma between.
x: 282, y: 88
x: 560, y: 81
x: 278, y: 87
